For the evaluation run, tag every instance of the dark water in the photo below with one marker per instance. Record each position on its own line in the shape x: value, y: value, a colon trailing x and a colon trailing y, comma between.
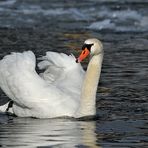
x: 62, y: 26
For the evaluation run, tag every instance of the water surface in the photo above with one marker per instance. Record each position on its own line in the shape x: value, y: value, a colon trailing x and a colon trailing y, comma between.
x: 122, y: 112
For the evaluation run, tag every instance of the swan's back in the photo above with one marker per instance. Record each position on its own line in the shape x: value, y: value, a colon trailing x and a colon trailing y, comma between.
x: 55, y: 93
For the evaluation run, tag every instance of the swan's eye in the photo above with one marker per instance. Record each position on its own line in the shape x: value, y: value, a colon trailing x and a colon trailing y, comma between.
x: 88, y: 46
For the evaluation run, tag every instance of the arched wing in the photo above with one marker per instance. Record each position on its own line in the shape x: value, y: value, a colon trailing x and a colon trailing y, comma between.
x: 62, y: 70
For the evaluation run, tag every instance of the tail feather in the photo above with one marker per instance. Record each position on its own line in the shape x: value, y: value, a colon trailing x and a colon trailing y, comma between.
x: 6, y: 108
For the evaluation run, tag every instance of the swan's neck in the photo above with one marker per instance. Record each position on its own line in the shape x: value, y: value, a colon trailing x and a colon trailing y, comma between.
x: 89, y: 87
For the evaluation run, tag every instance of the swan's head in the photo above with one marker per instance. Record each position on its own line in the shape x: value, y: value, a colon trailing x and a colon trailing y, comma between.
x: 91, y: 47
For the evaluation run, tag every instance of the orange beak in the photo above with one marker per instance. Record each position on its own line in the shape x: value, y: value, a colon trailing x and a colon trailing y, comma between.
x: 85, y: 52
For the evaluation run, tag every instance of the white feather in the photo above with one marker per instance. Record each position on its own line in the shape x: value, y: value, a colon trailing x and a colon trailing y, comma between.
x: 55, y: 93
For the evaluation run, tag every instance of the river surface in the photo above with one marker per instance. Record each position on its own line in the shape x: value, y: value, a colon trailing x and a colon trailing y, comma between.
x: 122, y: 96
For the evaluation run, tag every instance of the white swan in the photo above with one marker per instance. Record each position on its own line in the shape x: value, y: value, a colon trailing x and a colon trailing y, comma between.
x: 64, y: 89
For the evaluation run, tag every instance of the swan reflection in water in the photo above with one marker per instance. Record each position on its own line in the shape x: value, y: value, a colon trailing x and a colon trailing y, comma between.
x: 66, y: 133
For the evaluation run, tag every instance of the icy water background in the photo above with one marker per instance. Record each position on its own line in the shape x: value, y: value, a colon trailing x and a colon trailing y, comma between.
x: 62, y: 26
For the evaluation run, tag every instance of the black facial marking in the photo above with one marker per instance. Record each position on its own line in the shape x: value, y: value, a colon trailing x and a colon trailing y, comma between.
x: 88, y: 46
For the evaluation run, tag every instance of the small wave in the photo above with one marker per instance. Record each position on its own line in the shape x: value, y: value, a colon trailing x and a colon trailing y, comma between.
x: 33, y: 10
x: 37, y: 10
x: 126, y: 14
x: 105, y: 24
x: 7, y: 2
x: 125, y: 20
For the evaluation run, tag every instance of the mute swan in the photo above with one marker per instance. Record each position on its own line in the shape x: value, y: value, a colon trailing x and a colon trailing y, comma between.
x: 63, y: 89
